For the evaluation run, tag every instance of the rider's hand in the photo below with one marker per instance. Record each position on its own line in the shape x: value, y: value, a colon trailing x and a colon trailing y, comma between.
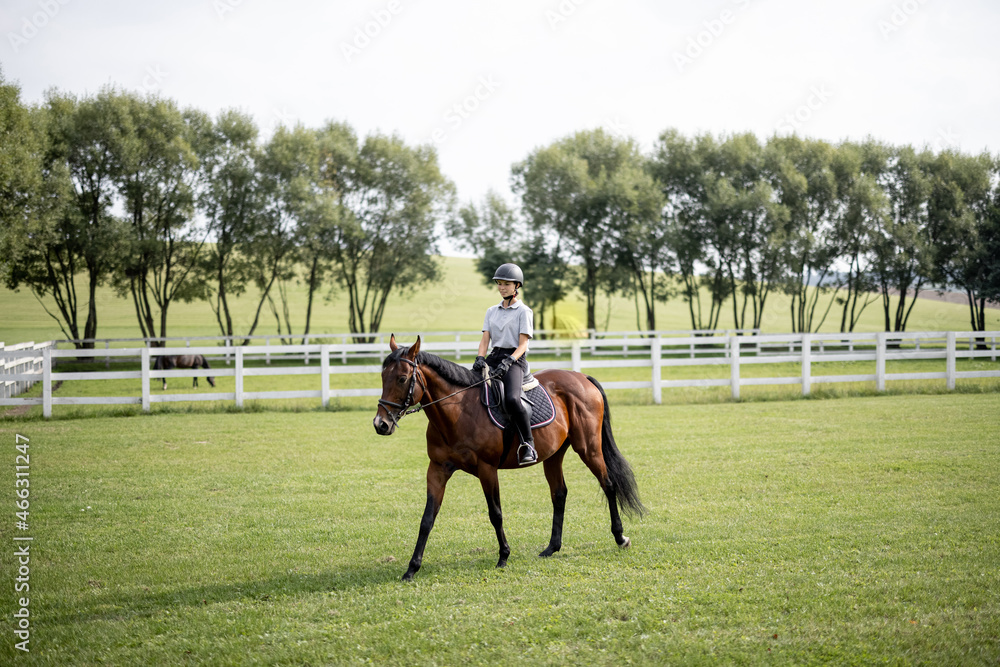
x: 479, y: 365
x: 504, y: 366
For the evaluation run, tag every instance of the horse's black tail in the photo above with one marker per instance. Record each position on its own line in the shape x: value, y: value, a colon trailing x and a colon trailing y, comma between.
x: 619, y: 471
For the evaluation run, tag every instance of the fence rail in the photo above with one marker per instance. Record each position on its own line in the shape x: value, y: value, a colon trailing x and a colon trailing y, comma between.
x: 657, y: 352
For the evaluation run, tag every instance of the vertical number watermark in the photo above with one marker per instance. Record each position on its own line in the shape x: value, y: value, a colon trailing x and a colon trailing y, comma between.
x: 22, y: 542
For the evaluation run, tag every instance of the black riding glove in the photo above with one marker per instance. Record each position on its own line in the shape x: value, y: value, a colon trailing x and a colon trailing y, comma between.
x: 479, y: 365
x: 503, y: 367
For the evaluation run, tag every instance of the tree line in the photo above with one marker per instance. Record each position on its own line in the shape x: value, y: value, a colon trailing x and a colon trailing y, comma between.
x: 724, y: 222
x: 166, y: 204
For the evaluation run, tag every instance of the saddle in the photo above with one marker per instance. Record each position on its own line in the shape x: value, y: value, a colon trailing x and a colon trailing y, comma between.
x: 537, y: 403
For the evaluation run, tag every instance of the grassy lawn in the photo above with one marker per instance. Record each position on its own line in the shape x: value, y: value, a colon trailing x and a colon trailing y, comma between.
x: 856, y: 531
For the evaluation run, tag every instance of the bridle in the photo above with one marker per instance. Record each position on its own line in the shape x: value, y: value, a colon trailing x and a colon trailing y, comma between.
x: 403, y: 409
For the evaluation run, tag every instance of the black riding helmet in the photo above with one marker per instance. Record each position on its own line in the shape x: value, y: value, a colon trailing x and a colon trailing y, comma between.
x: 511, y: 273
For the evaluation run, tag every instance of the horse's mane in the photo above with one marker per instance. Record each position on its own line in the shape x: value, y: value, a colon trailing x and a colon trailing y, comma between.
x: 448, y: 370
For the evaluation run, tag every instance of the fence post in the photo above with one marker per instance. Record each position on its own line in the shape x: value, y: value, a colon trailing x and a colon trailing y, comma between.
x: 267, y: 351
x: 107, y: 359
x: 458, y: 349
x: 239, y: 376
x: 806, y: 364
x: 324, y: 373
x: 306, y: 354
x: 575, y: 355
x: 144, y: 359
x: 657, y: 370
x: 950, y: 359
x: 47, y: 383
x: 734, y: 366
x: 880, y: 339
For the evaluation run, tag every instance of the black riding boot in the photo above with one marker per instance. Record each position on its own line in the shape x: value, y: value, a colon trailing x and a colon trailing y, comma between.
x: 526, y: 453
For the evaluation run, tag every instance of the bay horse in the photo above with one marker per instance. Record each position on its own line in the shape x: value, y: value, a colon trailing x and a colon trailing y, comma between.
x: 461, y: 437
x: 166, y: 363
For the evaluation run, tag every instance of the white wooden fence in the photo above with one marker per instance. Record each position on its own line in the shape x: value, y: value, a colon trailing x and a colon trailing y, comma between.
x: 659, y: 351
x: 19, y: 372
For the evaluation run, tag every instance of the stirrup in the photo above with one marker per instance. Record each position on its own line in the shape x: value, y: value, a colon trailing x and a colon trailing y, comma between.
x: 526, y: 454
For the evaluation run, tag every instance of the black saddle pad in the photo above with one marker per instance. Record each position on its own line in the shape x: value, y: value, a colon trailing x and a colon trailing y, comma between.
x: 542, y: 411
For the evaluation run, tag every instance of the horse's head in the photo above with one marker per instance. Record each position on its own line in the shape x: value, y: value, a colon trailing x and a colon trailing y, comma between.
x: 400, y: 386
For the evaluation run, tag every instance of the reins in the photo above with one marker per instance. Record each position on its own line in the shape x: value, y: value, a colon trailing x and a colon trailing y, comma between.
x: 403, y: 411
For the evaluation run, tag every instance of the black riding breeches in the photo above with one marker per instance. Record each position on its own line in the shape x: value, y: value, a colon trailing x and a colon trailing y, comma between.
x: 512, y: 391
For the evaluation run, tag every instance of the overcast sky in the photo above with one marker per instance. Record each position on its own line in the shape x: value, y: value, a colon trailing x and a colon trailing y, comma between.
x: 487, y: 82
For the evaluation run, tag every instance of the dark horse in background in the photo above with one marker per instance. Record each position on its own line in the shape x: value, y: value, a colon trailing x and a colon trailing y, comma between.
x: 461, y: 437
x: 166, y: 363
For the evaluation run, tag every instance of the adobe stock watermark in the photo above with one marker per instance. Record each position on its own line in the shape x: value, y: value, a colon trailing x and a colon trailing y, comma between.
x: 617, y: 127
x: 282, y: 118
x: 560, y: 13
x: 947, y: 139
x: 460, y: 111
x: 153, y: 79
x: 224, y: 7
x: 899, y: 16
x: 33, y: 24
x: 794, y: 120
x: 703, y: 40
x: 370, y: 29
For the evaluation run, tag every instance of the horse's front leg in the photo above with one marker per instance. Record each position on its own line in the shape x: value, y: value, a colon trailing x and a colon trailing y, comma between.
x: 437, y: 479
x: 491, y: 489
x: 557, y: 489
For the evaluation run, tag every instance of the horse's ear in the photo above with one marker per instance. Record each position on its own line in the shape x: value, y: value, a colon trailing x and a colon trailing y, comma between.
x: 392, y: 342
x: 414, y: 350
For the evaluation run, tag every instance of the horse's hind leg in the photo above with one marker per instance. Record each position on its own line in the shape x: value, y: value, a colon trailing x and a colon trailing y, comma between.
x: 437, y: 479
x: 491, y: 489
x: 594, y: 459
x: 557, y: 489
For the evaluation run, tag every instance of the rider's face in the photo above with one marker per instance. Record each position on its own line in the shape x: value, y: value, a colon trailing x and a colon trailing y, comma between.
x: 506, y: 288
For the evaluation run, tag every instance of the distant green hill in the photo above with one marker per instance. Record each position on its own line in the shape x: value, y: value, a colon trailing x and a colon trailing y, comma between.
x: 454, y: 303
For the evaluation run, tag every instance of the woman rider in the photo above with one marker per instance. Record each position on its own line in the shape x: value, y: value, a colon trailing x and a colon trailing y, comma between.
x: 509, y: 326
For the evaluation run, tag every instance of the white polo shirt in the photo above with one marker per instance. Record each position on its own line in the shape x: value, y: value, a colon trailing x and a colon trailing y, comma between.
x: 507, y: 324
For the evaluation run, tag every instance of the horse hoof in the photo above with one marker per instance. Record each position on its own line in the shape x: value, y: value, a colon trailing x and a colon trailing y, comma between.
x: 548, y: 553
x: 408, y: 576
x: 626, y: 543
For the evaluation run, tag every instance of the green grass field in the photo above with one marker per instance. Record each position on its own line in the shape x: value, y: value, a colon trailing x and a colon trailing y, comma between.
x: 455, y: 303
x: 856, y: 531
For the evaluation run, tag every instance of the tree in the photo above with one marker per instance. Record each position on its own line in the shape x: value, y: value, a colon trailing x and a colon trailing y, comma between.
x: 495, y: 232
x: 960, y: 217
x: 862, y: 208
x: 744, y: 207
x: 66, y: 226
x: 640, y: 234
x: 802, y: 173
x: 27, y: 224
x: 564, y: 188
x: 157, y: 185
x: 290, y: 178
x: 679, y: 166
x: 392, y: 198
x: 902, y: 248
x: 232, y: 198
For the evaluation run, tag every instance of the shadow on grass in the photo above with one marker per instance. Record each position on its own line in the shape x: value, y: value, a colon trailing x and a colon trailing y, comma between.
x: 121, y: 606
